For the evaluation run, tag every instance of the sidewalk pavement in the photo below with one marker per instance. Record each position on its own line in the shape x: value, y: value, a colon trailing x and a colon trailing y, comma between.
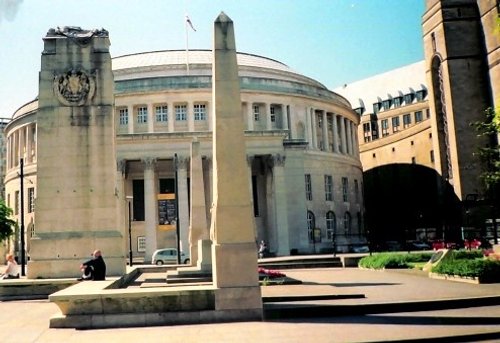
x: 27, y: 321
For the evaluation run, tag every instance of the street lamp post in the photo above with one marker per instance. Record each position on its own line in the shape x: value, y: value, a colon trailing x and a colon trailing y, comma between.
x: 21, y: 176
x: 130, y: 198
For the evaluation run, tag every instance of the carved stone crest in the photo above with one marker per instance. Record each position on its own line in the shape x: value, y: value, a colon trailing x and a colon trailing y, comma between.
x: 74, y: 87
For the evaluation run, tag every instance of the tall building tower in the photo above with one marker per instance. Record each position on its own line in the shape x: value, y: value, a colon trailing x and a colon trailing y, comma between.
x: 458, y: 79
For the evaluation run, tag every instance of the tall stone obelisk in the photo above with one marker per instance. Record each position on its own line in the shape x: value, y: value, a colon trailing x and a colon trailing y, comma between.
x: 234, y: 256
x: 76, y: 205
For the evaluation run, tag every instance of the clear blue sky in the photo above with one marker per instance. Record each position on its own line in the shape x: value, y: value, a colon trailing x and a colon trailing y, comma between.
x: 332, y: 41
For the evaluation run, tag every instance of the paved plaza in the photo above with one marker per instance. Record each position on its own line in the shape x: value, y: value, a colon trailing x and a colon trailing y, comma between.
x: 28, y: 320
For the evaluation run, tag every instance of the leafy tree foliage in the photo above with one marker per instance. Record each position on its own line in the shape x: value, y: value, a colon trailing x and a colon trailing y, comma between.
x: 7, y: 225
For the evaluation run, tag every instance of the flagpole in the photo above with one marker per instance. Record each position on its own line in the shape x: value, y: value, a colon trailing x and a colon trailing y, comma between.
x: 187, y: 45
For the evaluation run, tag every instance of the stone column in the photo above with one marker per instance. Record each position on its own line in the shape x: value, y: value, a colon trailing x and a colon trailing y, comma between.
x: 130, y: 112
x: 232, y: 229
x: 198, y: 224
x: 280, y: 204
x: 150, y: 207
x: 269, y: 124
x: 326, y: 145
x: 309, y: 128
x: 335, y: 134
x: 343, y: 138
x: 182, y: 193
x: 349, y: 136
x: 313, y: 126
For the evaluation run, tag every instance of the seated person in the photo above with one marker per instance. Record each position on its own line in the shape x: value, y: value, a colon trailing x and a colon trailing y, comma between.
x: 94, y: 269
x: 12, y: 270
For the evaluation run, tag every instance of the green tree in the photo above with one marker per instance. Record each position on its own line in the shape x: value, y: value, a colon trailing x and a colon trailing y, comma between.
x: 490, y: 154
x: 7, y: 225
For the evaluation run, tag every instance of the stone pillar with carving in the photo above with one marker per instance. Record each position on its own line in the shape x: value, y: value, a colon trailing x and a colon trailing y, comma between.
x: 150, y: 207
x: 76, y: 167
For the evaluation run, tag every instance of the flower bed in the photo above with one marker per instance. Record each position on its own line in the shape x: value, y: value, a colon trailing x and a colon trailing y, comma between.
x: 270, y: 273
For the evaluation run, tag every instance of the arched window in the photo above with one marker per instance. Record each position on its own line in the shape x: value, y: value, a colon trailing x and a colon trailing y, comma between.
x: 311, y: 223
x: 347, y: 223
x: 331, y: 225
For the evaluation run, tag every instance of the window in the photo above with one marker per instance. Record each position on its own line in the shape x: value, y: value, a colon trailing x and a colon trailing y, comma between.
x: 432, y: 156
x: 376, y: 107
x: 311, y: 223
x: 330, y: 226
x: 31, y: 200
x: 386, y: 104
x: 308, y: 187
x: 413, y: 160
x: 345, y: 189
x: 408, y: 99
x: 142, y: 115
x: 272, y: 112
x: 200, y: 112
x: 418, y: 117
x: 123, y: 115
x: 427, y: 113
x: 256, y: 113
x: 347, y: 223
x: 328, y: 188
x: 395, y: 124
x: 397, y: 101
x: 141, y: 244
x: 356, y: 191
x: 366, y: 132
x: 420, y: 95
x: 161, y: 113
x: 180, y: 112
x: 406, y: 120
x: 385, y: 127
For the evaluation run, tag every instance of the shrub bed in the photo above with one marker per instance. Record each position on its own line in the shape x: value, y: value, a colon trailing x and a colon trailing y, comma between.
x: 393, y: 261
x: 468, y: 264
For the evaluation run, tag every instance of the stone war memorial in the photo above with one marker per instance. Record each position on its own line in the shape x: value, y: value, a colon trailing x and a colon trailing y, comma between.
x: 227, y: 248
x: 77, y: 201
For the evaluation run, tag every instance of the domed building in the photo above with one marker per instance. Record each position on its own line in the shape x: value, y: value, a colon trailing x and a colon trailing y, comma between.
x: 301, y: 145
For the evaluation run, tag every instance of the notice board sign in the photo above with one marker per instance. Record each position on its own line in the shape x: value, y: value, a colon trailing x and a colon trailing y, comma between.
x: 167, y: 212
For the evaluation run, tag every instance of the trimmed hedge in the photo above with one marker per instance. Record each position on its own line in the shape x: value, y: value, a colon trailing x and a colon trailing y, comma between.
x: 393, y: 261
x: 466, y: 265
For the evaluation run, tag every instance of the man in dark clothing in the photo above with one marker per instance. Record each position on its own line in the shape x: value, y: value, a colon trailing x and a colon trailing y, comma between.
x: 94, y: 269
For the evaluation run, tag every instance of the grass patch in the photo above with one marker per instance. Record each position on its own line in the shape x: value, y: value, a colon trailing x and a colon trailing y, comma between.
x: 394, y: 261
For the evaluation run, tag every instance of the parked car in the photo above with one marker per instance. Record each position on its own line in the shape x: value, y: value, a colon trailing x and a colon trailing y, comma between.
x: 392, y: 246
x: 441, y: 244
x: 168, y: 256
x: 362, y: 248
x: 417, y: 245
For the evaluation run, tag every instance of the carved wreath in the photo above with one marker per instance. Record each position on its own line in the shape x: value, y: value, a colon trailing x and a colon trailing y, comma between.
x: 74, y: 87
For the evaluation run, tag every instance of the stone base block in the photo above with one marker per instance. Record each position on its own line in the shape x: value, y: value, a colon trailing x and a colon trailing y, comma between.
x: 70, y: 268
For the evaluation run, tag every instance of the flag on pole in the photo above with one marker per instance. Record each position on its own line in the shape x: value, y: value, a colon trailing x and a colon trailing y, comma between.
x: 190, y: 23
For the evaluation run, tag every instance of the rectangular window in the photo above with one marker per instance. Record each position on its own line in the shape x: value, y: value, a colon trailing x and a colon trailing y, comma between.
x: 345, y: 189
x: 432, y: 156
x: 418, y: 117
x: 256, y: 113
x: 367, y: 132
x: 272, y: 112
x: 376, y: 107
x: 406, y: 120
x: 328, y: 188
x: 395, y: 124
x: 408, y: 99
x: 181, y: 112
x: 420, y: 95
x: 16, y: 203
x: 356, y: 191
x: 427, y: 113
x: 397, y: 101
x: 413, y: 160
x: 161, y: 113
x: 31, y: 200
x: 141, y: 244
x: 200, y: 112
x: 142, y: 115
x: 386, y: 104
x: 385, y: 127
x: 123, y: 115
x: 308, y: 187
